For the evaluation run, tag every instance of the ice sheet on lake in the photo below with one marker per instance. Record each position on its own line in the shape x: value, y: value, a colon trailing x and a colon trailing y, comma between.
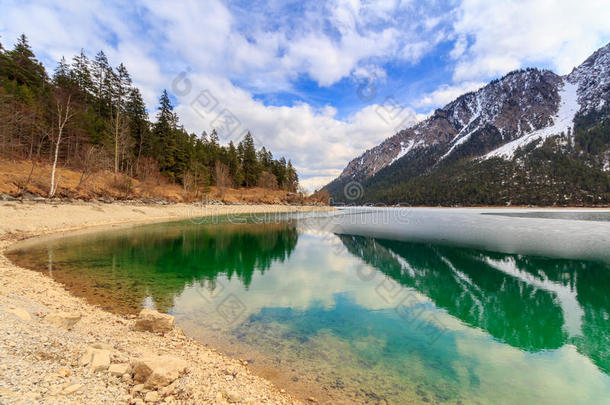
x: 561, y: 238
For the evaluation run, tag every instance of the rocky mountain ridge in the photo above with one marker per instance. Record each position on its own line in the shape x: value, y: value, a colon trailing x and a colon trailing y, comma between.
x: 508, y: 114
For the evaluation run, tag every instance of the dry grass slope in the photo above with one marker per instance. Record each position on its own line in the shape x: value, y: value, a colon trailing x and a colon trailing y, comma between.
x: 20, y: 177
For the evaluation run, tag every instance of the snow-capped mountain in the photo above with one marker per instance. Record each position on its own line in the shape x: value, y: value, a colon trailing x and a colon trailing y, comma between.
x: 523, y: 108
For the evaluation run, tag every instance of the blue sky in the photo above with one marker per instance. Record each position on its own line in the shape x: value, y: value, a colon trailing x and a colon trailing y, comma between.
x: 309, y: 78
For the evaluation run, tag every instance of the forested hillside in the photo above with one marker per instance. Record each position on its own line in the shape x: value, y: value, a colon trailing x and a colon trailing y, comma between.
x: 88, y: 116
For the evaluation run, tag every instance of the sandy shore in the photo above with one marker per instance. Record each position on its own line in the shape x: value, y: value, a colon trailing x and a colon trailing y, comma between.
x: 39, y: 362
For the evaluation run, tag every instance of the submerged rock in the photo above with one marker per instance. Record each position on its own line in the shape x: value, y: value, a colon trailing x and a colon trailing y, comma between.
x: 153, y: 321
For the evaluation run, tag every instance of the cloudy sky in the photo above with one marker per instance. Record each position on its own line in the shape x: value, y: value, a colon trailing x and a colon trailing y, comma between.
x: 318, y: 82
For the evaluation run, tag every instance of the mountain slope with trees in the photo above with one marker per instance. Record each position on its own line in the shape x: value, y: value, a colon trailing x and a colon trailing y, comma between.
x: 89, y: 117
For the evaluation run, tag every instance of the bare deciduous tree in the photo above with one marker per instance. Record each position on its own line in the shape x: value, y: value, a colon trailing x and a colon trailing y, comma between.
x: 223, y: 178
x: 147, y: 169
x: 92, y: 160
x: 267, y: 181
x: 321, y: 196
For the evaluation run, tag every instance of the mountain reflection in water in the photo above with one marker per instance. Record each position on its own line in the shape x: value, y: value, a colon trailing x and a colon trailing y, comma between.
x: 531, y: 303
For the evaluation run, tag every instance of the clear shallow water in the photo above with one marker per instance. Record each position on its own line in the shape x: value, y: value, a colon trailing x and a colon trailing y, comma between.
x: 418, y: 306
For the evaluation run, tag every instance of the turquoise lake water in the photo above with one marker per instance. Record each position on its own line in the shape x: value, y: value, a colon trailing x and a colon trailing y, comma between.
x: 372, y: 306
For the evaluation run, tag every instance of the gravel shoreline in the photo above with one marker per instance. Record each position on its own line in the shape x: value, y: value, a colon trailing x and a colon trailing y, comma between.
x: 41, y: 361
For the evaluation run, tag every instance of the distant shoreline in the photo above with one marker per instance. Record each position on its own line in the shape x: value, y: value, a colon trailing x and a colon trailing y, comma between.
x: 484, y: 207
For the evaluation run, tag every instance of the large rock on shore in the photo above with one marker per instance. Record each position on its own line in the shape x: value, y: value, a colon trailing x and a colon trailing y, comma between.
x: 118, y: 370
x: 153, y: 321
x: 97, y: 357
x: 65, y: 320
x: 100, y: 360
x: 158, y: 371
x: 19, y: 313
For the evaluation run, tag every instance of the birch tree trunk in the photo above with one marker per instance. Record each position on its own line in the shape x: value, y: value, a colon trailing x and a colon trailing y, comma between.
x: 116, y: 142
x: 63, y: 115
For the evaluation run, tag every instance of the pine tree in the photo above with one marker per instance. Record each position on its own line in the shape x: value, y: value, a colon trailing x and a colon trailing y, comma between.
x: 234, y: 165
x: 138, y: 123
x: 81, y: 74
x: 120, y: 89
x: 25, y: 69
x: 214, y: 140
x: 291, y: 177
x: 279, y: 170
x: 102, y: 79
x: 249, y: 161
x: 62, y: 76
x: 213, y: 148
x: 265, y: 158
x: 164, y: 142
x: 4, y: 63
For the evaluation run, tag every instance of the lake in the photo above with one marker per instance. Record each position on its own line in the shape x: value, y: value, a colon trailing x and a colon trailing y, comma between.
x: 372, y: 305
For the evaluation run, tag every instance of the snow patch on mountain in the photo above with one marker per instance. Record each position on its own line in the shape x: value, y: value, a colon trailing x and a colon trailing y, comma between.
x: 405, y: 149
x: 593, y: 80
x: 562, y: 122
x: 460, y: 141
x: 475, y: 113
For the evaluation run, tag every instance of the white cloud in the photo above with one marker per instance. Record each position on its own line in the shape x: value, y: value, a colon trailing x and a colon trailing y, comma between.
x: 445, y: 93
x: 235, y: 53
x: 318, y: 143
x: 511, y: 34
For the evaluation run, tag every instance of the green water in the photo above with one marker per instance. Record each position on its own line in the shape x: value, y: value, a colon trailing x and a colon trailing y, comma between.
x: 359, y: 319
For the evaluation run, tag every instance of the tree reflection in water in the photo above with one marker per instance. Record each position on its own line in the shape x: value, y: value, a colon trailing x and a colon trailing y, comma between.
x: 528, y: 302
